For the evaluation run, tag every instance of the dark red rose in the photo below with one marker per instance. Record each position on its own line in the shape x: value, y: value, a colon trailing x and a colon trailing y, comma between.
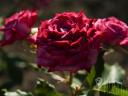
x: 18, y: 26
x: 113, y: 31
x: 62, y: 44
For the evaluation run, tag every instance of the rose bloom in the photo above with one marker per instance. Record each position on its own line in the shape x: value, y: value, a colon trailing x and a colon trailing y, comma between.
x: 113, y: 31
x: 17, y: 27
x: 62, y: 43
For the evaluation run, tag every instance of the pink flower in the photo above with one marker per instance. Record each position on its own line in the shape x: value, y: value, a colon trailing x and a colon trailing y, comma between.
x: 113, y: 31
x: 62, y: 44
x: 18, y: 26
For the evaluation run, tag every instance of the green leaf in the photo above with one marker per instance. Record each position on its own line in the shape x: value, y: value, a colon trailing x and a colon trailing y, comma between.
x: 114, y: 89
x: 17, y: 93
x: 90, y: 77
x: 44, y: 88
x: 110, y: 81
x: 96, y: 70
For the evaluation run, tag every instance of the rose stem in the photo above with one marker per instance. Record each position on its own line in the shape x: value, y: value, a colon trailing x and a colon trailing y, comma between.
x: 70, y: 83
x: 70, y: 78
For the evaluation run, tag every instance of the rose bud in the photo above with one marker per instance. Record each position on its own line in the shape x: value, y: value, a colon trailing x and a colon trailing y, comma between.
x: 113, y: 31
x: 62, y: 44
x: 18, y: 26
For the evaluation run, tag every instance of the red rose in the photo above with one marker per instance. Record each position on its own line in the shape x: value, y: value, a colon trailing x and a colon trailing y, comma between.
x: 113, y: 31
x: 18, y: 26
x: 62, y: 44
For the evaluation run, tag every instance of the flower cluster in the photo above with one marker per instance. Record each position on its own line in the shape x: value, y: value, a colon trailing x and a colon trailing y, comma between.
x: 114, y: 31
x: 17, y: 27
x: 70, y: 41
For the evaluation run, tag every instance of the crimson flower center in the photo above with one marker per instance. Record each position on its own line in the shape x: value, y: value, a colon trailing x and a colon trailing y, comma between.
x: 64, y: 28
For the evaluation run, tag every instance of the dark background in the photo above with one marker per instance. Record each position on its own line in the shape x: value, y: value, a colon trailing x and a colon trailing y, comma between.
x: 46, y: 8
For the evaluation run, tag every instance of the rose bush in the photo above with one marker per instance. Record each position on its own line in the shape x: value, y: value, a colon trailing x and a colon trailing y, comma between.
x: 113, y: 31
x: 63, y: 44
x: 18, y: 26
